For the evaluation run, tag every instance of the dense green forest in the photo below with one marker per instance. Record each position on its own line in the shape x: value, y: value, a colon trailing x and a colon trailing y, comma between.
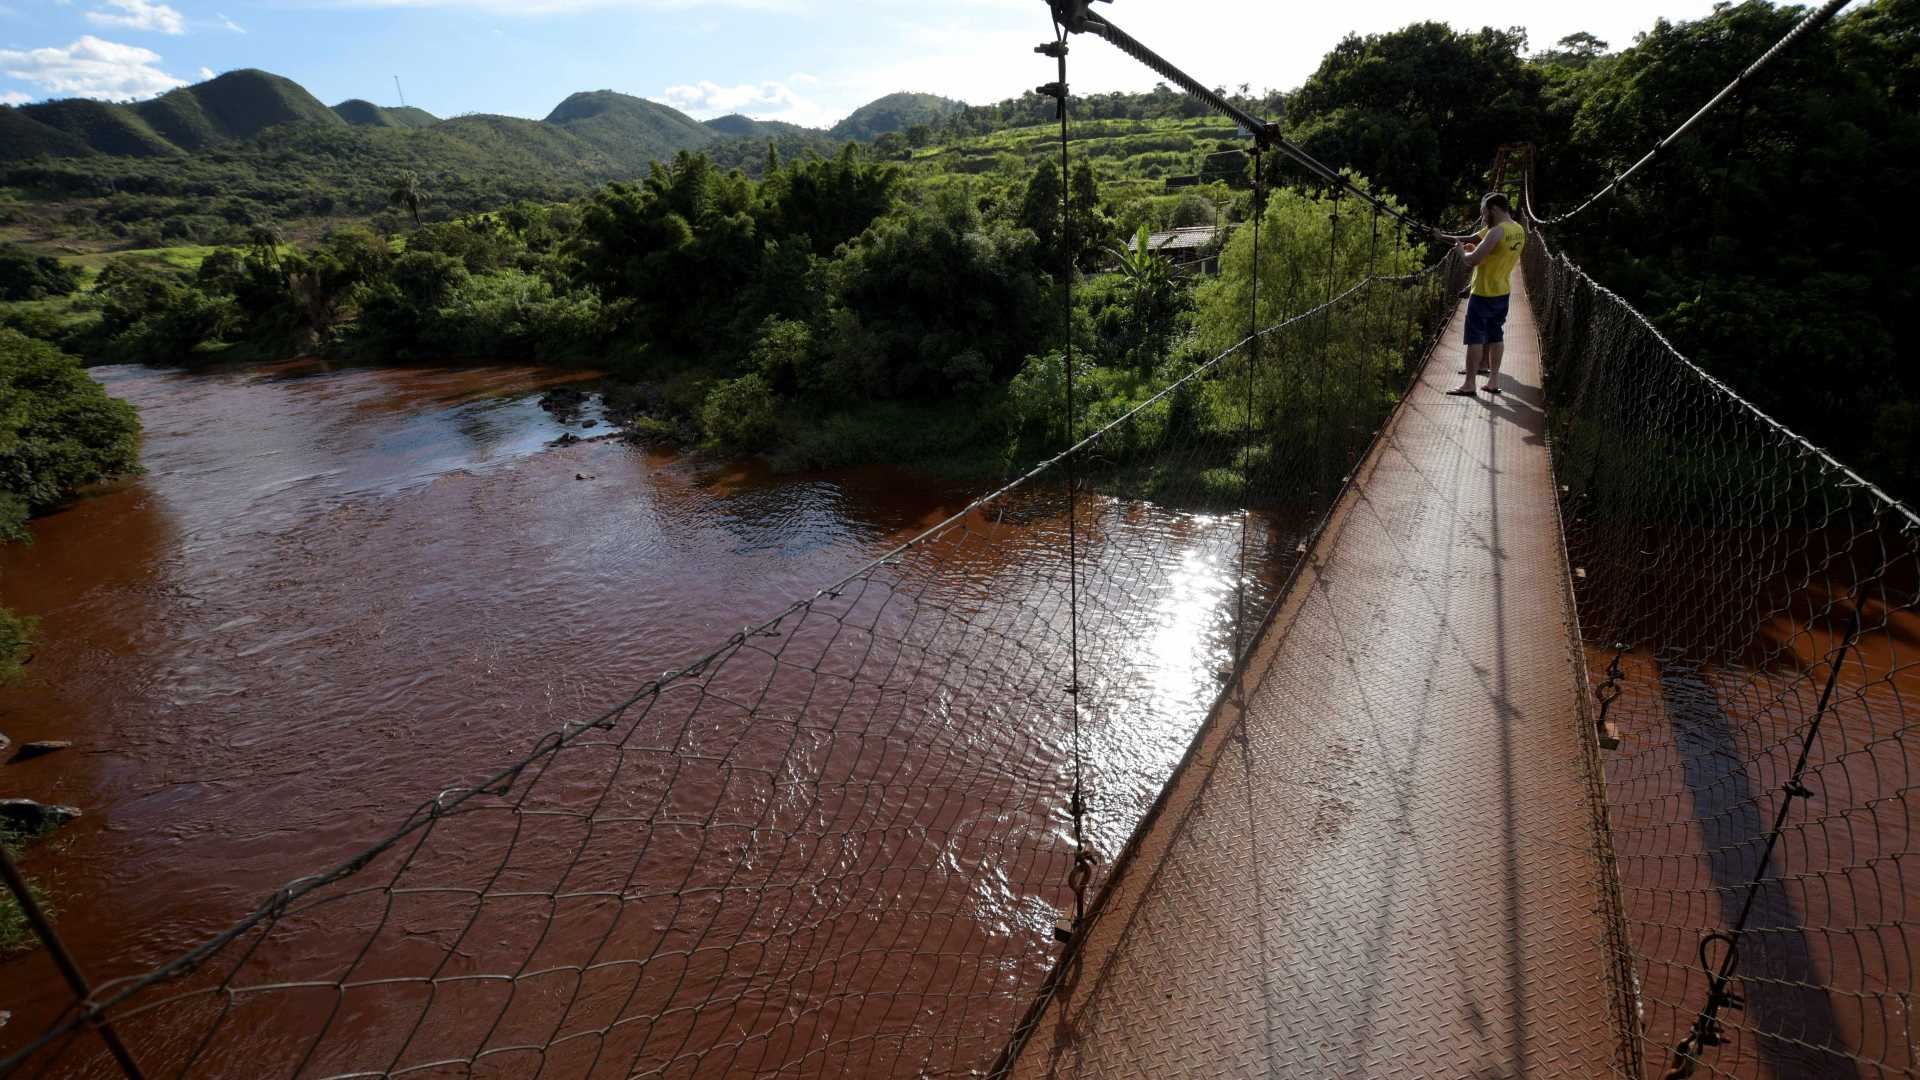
x: 888, y: 290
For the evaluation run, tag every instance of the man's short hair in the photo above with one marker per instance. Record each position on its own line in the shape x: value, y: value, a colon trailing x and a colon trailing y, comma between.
x: 1498, y: 199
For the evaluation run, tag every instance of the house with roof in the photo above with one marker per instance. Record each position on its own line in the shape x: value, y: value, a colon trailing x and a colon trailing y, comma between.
x: 1191, y: 250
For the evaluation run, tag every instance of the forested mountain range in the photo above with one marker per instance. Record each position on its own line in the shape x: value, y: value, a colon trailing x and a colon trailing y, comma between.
x: 599, y: 131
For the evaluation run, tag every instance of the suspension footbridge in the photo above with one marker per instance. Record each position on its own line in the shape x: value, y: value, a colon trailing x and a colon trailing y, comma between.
x: 1383, y: 862
x: 1561, y: 733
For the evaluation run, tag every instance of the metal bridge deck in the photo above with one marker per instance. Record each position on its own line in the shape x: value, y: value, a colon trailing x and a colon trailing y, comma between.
x: 1393, y: 873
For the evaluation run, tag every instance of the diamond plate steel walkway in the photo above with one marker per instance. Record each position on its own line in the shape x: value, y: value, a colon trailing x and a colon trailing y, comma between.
x: 1389, y: 869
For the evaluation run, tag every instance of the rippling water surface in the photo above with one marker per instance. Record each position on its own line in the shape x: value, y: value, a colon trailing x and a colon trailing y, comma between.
x: 334, y: 593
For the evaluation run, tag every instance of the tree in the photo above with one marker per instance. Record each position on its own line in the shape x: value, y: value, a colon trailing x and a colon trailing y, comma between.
x: 1192, y: 210
x: 59, y: 430
x: 1040, y: 211
x: 1769, y: 243
x: 26, y: 276
x: 1151, y: 301
x: 932, y: 299
x: 408, y: 192
x: 1576, y: 51
x: 740, y: 414
x: 1420, y: 111
x: 827, y: 202
x: 677, y: 252
x: 265, y: 242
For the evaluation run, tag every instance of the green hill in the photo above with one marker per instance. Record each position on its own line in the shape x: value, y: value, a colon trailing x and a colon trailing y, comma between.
x: 895, y: 112
x: 361, y: 113
x: 234, y: 106
x: 530, y: 144
x: 742, y: 127
x: 109, y: 129
x: 631, y: 131
x: 593, y: 134
x: 237, y: 105
x: 21, y: 137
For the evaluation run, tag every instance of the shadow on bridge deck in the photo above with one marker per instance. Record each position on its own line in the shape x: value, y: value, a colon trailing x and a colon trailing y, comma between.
x: 1388, y: 868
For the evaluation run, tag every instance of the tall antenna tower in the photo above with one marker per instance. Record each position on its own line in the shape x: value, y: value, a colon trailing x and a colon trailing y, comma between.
x: 403, y: 93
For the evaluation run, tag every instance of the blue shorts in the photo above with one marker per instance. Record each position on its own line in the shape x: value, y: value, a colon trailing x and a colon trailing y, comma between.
x: 1487, y: 319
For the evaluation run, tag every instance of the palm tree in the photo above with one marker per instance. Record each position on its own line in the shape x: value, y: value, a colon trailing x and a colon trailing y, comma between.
x: 265, y: 242
x: 408, y: 192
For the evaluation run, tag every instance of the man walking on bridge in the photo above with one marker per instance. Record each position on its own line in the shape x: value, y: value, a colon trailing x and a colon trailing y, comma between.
x: 1493, y: 252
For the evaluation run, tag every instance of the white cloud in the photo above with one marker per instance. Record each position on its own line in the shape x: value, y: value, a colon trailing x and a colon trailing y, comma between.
x: 90, y: 68
x: 761, y: 101
x: 139, y: 15
x: 229, y: 24
x: 15, y: 97
x: 563, y: 7
x: 206, y: 73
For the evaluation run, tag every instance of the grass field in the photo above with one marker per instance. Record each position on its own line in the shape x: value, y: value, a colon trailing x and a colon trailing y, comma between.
x: 186, y: 258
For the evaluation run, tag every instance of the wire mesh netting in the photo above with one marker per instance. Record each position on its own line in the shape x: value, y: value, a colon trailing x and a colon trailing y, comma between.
x: 837, y: 844
x: 1748, y: 611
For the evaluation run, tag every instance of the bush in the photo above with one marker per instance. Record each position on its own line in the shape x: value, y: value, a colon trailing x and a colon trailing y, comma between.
x: 783, y: 355
x: 16, y: 639
x: 59, y: 430
x: 155, y: 317
x: 26, y: 276
x: 1193, y: 209
x: 740, y: 414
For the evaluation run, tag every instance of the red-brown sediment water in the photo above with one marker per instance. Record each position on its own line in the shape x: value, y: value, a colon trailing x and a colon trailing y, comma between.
x: 334, y: 594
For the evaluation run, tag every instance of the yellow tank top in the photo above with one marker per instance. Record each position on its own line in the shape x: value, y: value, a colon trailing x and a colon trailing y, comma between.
x: 1494, y: 276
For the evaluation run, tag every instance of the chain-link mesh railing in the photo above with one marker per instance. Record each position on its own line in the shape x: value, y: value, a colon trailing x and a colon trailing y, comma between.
x: 1748, y: 609
x: 837, y: 844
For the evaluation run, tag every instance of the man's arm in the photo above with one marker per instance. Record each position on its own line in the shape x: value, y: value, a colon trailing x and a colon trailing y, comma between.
x: 1478, y: 253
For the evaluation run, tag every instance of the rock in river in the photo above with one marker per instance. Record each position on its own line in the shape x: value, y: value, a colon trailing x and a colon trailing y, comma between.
x: 34, y: 818
x: 40, y: 748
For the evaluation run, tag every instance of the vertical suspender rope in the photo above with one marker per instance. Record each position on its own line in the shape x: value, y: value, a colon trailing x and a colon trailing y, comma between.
x: 1246, y: 440
x: 1373, y: 272
x: 1082, y: 871
x: 1242, y: 640
x: 1326, y: 339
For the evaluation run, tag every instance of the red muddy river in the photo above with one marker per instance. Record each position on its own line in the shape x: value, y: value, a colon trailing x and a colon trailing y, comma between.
x: 334, y: 593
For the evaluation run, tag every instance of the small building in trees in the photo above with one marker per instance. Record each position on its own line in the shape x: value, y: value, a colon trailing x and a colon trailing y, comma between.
x: 1192, y: 250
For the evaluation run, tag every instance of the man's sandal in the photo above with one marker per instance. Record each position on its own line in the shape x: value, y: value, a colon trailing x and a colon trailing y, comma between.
x: 1468, y: 392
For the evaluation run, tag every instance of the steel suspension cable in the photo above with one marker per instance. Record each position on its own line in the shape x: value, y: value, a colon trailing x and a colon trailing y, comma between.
x: 1075, y: 18
x: 1805, y: 26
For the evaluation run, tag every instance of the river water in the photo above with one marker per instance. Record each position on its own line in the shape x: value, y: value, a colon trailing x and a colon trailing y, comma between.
x: 334, y: 593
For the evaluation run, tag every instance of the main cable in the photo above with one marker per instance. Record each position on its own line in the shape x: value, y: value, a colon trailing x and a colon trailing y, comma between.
x: 1075, y: 18
x: 1800, y: 29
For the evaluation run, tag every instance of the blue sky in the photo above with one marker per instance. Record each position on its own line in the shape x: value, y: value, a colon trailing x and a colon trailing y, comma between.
x: 807, y: 62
